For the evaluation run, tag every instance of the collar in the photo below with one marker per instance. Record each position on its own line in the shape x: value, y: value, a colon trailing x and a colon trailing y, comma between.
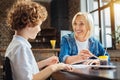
x: 22, y: 39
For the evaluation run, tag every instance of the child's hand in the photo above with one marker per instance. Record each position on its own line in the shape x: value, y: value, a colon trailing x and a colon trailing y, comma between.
x: 52, y: 60
x: 61, y: 66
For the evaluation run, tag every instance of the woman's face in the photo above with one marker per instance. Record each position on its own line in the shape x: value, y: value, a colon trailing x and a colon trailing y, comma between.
x: 80, y: 27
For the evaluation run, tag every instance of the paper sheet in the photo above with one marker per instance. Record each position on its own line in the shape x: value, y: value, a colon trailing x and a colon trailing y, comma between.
x: 94, y: 66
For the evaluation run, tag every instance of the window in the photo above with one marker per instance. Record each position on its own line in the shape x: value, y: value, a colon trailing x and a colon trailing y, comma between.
x: 117, y: 14
x: 106, y: 28
x: 106, y: 15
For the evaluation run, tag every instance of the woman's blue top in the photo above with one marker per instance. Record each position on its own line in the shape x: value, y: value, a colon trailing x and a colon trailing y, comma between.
x: 68, y: 47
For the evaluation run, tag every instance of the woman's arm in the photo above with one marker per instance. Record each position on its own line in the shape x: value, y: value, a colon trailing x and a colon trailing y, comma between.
x: 64, y: 49
x: 73, y: 59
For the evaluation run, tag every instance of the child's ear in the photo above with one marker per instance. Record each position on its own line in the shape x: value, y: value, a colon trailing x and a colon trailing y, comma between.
x: 28, y: 25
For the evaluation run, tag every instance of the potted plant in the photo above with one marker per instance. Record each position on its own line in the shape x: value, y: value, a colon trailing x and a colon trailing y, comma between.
x: 117, y: 33
x: 116, y: 37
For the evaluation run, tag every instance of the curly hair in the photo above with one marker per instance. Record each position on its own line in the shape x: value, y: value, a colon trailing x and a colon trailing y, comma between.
x: 26, y: 12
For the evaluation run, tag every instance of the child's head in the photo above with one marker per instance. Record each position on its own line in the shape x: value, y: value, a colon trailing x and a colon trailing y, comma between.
x: 26, y: 13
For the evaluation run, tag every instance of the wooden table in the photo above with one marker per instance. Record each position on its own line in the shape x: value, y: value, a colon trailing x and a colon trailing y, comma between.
x: 88, y: 74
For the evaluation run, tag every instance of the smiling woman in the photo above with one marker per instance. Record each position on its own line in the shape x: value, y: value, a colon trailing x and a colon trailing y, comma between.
x: 80, y: 45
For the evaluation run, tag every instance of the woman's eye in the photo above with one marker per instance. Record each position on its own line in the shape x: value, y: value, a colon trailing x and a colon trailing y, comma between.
x: 81, y: 24
x: 74, y: 24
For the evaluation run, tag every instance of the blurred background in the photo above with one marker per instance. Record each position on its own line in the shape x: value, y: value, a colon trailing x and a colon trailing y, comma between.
x: 106, y: 15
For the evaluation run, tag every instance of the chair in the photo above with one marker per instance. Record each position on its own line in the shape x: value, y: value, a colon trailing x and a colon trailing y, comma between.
x: 64, y: 32
x: 7, y: 69
x: 1, y: 67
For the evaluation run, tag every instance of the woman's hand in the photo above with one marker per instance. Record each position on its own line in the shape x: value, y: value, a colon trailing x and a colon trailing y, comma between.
x: 85, y: 54
x: 92, y: 62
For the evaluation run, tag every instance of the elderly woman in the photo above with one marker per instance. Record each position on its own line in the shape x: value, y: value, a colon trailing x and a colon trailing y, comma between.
x: 80, y: 45
x: 25, y: 18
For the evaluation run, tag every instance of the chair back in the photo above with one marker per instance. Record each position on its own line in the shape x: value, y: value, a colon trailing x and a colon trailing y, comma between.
x: 1, y: 67
x: 7, y: 69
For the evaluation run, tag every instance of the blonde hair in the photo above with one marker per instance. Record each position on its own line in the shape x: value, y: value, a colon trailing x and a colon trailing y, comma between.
x: 88, y: 18
x: 26, y: 12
